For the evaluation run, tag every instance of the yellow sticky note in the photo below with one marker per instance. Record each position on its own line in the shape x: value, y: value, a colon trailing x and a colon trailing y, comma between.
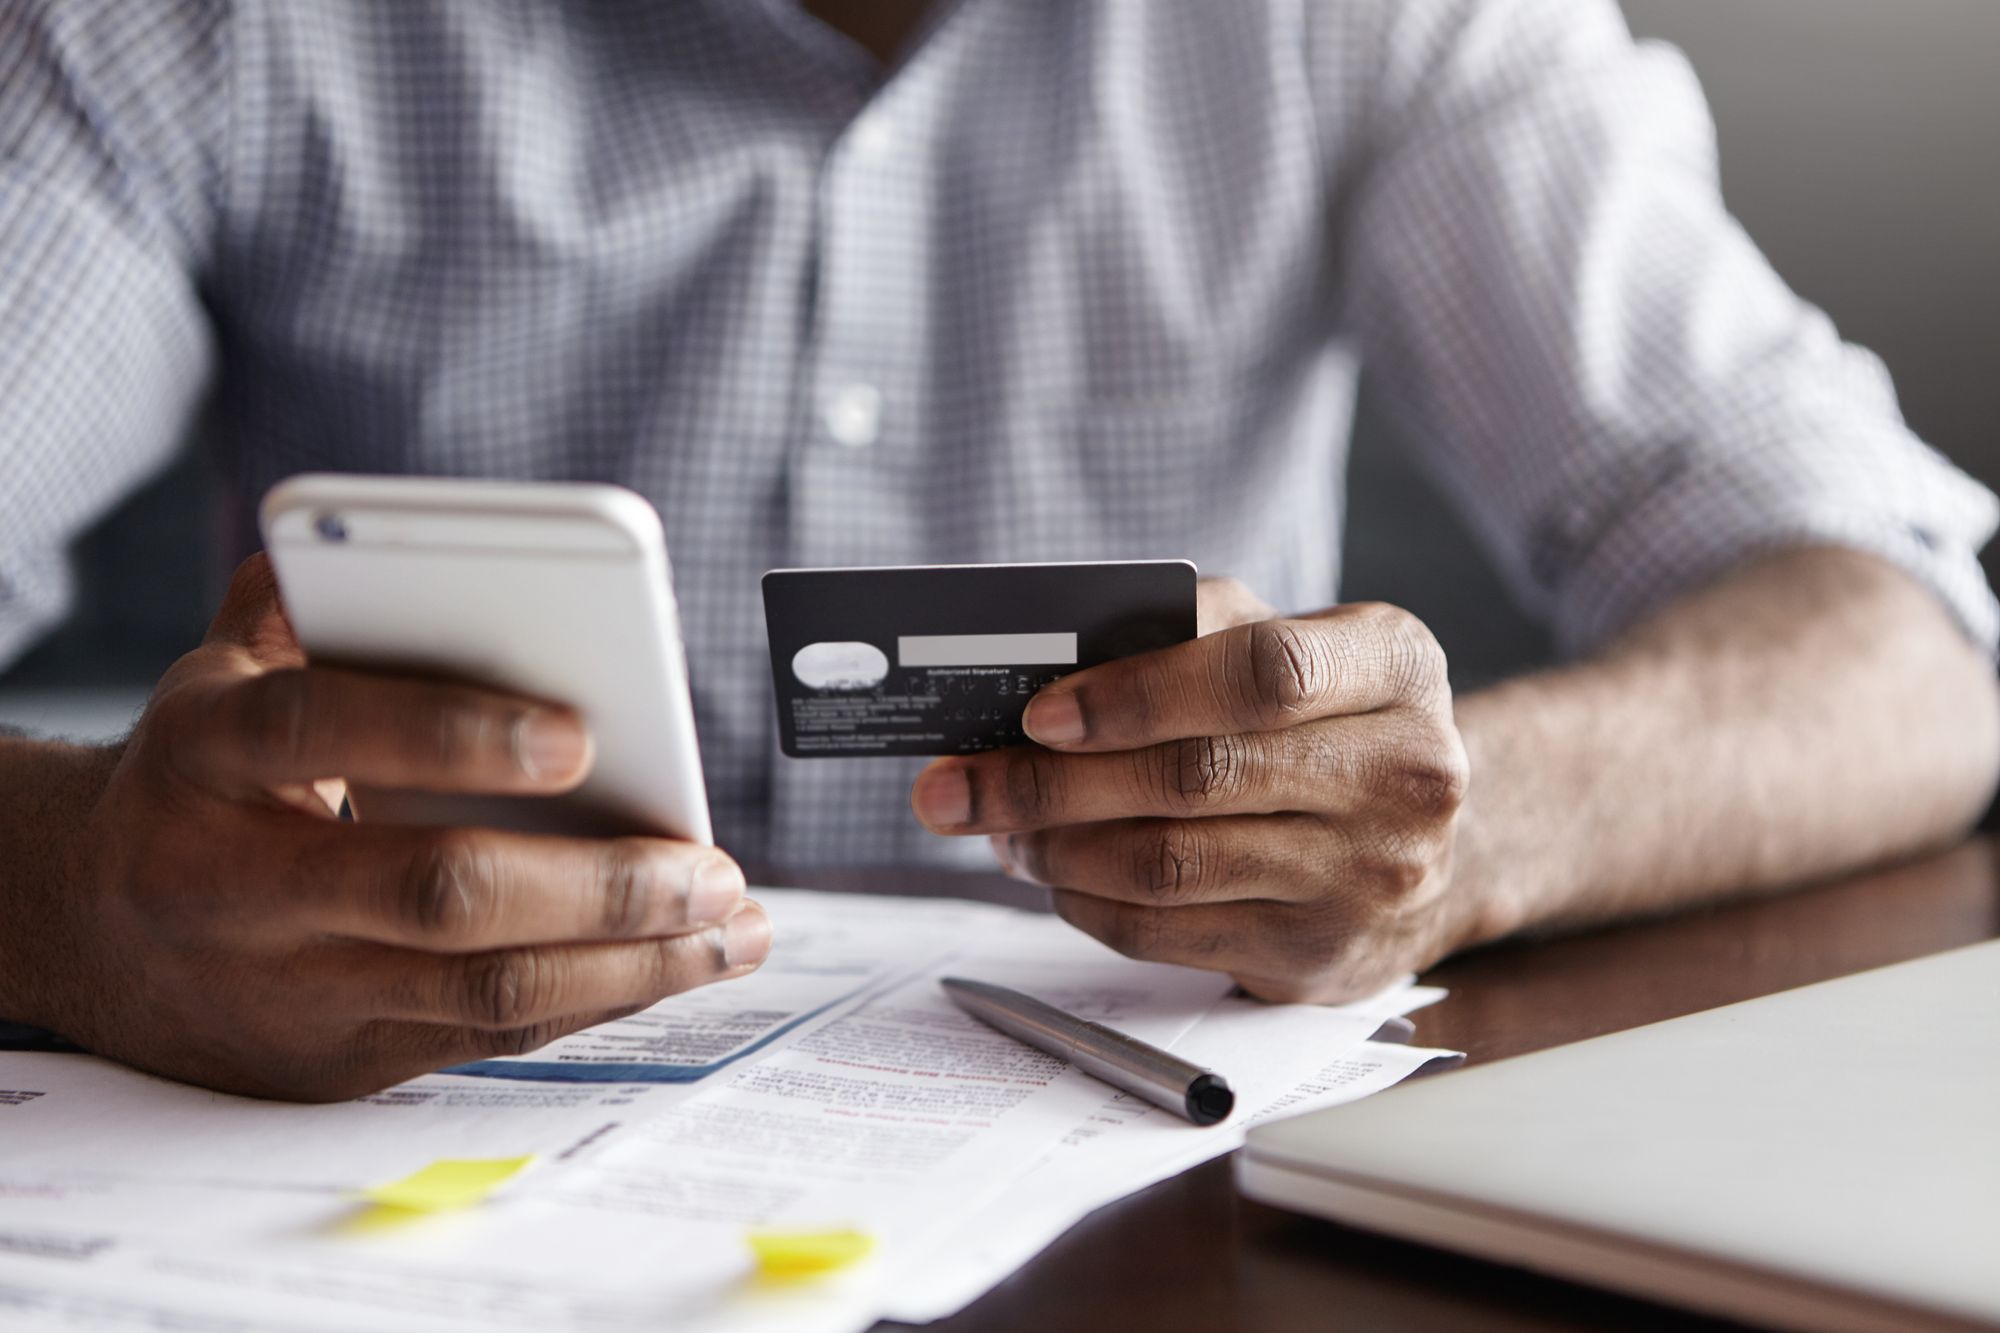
x: 450, y: 1182
x: 801, y: 1254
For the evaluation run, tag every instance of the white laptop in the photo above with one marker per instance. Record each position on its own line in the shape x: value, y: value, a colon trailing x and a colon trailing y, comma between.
x: 1825, y: 1158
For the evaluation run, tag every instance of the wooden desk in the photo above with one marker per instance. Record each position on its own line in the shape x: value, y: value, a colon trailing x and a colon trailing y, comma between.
x: 1189, y: 1254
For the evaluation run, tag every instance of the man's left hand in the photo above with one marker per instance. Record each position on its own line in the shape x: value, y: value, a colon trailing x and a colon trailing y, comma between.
x: 1277, y: 799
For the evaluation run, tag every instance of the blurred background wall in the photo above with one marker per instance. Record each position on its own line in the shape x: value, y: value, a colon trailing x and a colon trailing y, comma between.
x: 1860, y: 144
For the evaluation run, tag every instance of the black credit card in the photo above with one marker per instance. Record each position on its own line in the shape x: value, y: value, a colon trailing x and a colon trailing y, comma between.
x: 942, y: 659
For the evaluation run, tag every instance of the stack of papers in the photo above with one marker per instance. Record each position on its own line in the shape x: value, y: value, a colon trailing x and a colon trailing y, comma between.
x: 618, y: 1178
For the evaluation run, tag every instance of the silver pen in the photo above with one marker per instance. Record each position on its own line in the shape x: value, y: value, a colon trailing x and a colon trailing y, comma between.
x: 1201, y: 1095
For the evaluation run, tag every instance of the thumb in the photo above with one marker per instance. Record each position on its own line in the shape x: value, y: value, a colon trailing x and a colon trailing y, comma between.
x: 253, y: 618
x: 1225, y: 603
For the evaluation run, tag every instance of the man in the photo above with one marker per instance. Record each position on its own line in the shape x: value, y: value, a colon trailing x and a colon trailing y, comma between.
x: 905, y: 283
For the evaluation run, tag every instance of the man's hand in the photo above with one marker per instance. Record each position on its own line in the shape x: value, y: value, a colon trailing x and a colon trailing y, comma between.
x: 216, y: 922
x: 1276, y: 799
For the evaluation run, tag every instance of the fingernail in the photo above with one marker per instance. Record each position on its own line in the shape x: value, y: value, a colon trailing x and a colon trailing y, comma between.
x: 746, y: 938
x: 549, y: 745
x: 1054, y: 718
x: 715, y: 891
x: 944, y: 798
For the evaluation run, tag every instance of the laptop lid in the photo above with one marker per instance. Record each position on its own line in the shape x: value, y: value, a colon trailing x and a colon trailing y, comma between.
x: 1828, y: 1157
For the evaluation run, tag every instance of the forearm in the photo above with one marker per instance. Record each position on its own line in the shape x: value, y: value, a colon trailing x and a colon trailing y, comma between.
x: 47, y: 789
x: 1813, y: 712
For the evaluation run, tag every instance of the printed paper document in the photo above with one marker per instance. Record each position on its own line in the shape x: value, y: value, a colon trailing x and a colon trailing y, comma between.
x: 837, y: 1088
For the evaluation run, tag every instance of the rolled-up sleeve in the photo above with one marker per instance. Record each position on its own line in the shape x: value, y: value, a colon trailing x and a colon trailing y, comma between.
x: 112, y: 124
x: 1587, y: 351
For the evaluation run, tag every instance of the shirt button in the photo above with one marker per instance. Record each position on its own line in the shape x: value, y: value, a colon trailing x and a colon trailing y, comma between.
x: 852, y: 415
x: 870, y: 137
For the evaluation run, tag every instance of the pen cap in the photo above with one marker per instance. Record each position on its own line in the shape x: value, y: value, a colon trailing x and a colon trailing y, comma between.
x: 1209, y: 1100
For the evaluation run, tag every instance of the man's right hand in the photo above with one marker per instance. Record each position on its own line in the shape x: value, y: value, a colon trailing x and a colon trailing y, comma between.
x: 215, y: 921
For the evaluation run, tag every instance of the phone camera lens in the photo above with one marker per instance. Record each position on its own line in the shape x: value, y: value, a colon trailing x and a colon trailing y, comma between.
x: 330, y: 528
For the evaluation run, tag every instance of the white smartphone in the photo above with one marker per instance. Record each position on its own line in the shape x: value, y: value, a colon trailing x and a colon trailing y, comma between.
x: 555, y: 590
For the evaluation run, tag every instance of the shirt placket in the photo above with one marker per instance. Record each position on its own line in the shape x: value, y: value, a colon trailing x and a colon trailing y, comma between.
x: 854, y: 496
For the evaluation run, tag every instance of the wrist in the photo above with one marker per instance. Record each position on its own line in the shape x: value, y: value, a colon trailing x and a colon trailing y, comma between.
x: 1499, y: 883
x: 1484, y: 907
x: 48, y: 791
